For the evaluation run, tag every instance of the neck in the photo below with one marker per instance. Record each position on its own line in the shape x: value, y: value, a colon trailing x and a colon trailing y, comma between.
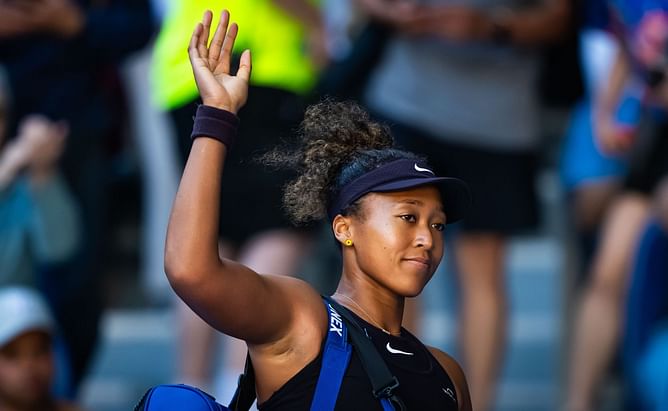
x: 369, y: 301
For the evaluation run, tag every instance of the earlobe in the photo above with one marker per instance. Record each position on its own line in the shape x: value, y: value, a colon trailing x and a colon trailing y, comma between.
x: 341, y: 228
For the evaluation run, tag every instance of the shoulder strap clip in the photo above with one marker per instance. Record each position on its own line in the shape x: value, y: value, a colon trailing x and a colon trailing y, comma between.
x: 387, y: 391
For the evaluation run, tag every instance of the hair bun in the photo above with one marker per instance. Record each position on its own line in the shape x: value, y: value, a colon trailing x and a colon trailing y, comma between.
x: 345, y: 124
x: 331, y: 135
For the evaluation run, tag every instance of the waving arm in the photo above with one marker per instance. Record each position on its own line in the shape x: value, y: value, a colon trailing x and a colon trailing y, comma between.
x: 229, y: 296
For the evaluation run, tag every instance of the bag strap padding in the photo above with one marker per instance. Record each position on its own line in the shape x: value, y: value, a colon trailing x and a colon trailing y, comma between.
x: 383, y: 382
x: 335, y: 360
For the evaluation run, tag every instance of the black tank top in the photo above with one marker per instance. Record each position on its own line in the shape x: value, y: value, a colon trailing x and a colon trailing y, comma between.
x: 423, y: 383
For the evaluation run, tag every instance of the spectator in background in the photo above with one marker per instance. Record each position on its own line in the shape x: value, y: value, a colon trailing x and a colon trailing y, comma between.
x: 458, y: 81
x: 26, y: 355
x: 39, y: 220
x: 61, y: 58
x: 641, y: 28
x: 38, y: 216
x: 590, y: 177
x: 287, y: 40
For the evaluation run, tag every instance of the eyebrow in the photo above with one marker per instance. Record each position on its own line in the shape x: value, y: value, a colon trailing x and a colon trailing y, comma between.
x: 413, y: 201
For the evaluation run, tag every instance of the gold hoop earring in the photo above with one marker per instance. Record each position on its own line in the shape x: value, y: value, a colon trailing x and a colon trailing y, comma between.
x: 348, y: 243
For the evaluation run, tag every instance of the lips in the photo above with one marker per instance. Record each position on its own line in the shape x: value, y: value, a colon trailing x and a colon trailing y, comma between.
x: 420, y: 261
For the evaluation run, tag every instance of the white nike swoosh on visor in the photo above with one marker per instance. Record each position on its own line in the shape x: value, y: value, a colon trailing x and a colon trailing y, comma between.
x: 393, y: 351
x: 417, y: 168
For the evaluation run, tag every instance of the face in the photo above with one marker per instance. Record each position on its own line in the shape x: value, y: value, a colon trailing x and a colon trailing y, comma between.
x: 398, y: 238
x: 26, y: 370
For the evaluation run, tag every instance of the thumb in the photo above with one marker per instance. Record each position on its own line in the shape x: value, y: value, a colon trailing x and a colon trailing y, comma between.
x: 245, y: 66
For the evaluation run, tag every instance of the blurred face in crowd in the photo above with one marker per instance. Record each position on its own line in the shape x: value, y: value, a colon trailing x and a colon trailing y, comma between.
x: 26, y: 371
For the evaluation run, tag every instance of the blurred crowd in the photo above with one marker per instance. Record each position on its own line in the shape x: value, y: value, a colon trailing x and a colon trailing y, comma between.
x: 465, y: 83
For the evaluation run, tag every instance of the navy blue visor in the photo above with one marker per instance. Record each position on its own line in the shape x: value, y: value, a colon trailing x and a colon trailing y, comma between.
x: 401, y: 175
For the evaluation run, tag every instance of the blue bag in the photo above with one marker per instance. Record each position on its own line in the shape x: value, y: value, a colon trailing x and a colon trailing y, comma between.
x: 336, y: 356
x: 178, y: 397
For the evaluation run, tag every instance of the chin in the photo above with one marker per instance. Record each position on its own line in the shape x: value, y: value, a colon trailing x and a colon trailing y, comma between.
x: 411, y: 290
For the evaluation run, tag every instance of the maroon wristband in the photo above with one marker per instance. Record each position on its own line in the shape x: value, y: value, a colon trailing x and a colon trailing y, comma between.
x: 215, y: 123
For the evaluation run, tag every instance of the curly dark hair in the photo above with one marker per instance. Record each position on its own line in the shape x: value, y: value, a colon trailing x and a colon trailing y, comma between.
x: 339, y: 142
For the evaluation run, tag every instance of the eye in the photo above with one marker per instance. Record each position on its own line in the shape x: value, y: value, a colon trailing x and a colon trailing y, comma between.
x: 438, y: 226
x: 408, y: 217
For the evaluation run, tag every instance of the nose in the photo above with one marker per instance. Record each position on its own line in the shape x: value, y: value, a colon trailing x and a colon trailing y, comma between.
x: 424, y: 237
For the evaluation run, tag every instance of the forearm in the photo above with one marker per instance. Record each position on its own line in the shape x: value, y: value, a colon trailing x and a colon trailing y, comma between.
x: 303, y: 10
x: 191, y: 247
x: 56, y: 224
x: 374, y: 8
x: 8, y: 172
x: 384, y: 11
x: 10, y: 165
x: 535, y: 26
x: 192, y: 263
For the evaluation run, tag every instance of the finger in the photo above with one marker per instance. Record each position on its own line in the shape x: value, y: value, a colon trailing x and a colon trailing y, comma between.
x: 219, y: 36
x: 203, y: 41
x: 245, y: 66
x: 194, y: 40
x: 228, y: 45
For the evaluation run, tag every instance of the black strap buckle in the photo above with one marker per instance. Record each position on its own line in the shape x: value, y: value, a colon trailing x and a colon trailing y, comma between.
x: 387, y: 390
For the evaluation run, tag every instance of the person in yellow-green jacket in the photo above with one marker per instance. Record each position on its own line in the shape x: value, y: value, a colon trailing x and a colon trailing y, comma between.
x: 287, y: 40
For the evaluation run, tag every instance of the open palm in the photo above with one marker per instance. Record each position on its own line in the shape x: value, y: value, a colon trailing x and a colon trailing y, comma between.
x: 211, y: 64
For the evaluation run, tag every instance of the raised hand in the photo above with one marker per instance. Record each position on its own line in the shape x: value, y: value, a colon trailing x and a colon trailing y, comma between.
x: 211, y: 64
x: 44, y: 140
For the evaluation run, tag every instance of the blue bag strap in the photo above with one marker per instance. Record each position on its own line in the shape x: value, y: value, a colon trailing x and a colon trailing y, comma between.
x: 387, y: 404
x: 335, y: 359
x: 383, y: 382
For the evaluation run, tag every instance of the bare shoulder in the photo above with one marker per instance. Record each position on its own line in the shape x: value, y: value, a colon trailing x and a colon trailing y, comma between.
x: 308, y: 314
x: 454, y: 370
x: 299, y: 294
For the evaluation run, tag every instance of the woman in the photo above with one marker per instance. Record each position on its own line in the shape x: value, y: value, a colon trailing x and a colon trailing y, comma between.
x: 386, y: 208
